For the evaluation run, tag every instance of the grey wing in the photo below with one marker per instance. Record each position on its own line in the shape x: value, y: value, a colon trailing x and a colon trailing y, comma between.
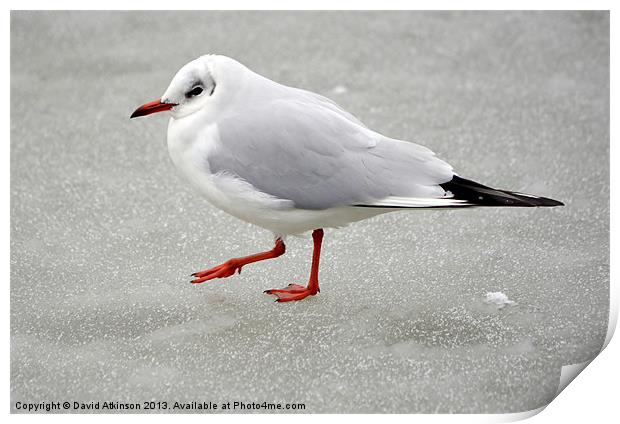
x: 324, y: 102
x: 319, y: 158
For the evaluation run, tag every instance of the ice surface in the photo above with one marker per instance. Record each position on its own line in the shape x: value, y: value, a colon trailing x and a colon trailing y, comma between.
x: 104, y: 232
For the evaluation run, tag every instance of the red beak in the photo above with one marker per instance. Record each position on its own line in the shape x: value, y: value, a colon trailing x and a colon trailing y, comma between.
x: 152, y: 107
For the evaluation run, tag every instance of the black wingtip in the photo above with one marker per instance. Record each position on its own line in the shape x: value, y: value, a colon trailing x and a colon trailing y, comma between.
x: 545, y: 201
x: 481, y: 195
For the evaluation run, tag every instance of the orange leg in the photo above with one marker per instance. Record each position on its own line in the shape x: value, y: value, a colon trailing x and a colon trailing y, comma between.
x: 297, y: 291
x: 229, y: 267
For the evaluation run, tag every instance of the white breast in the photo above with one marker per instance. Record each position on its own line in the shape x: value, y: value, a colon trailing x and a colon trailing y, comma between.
x: 188, y: 153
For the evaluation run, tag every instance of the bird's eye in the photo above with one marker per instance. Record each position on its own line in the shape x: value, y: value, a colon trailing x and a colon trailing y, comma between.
x: 194, y: 92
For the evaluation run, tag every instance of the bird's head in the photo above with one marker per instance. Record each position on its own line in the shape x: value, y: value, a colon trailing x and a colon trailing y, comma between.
x: 193, y: 87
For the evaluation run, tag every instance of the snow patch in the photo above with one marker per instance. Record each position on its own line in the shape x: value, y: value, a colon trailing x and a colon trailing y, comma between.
x: 339, y: 89
x: 498, y: 299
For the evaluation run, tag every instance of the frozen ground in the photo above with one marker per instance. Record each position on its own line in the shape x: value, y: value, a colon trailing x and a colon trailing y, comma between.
x: 104, y: 233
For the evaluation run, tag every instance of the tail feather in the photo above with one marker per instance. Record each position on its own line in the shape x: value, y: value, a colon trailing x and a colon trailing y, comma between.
x: 480, y: 195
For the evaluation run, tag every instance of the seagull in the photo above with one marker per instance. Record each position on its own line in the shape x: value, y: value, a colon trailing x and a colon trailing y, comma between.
x: 292, y: 161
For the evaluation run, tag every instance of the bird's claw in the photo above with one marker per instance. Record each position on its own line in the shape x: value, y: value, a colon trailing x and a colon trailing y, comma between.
x: 224, y: 270
x: 291, y: 292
